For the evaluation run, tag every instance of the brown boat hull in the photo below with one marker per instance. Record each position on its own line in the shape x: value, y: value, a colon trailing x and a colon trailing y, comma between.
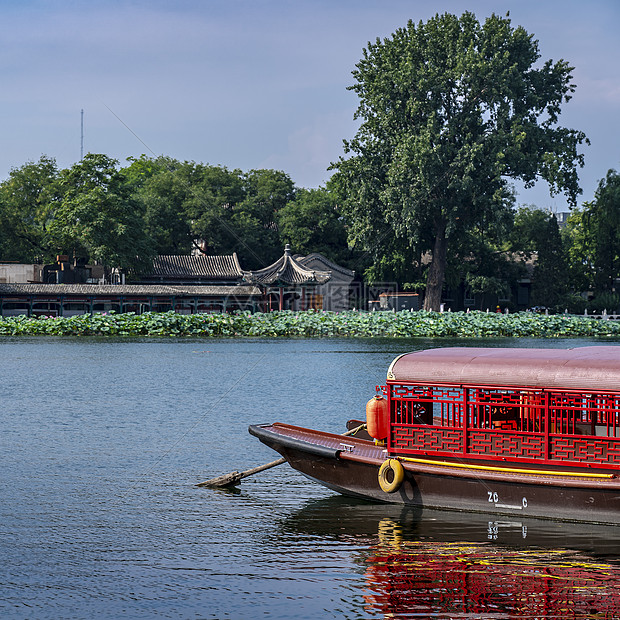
x: 350, y: 466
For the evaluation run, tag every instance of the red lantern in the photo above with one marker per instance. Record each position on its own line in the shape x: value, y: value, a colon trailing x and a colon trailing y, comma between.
x: 377, y: 417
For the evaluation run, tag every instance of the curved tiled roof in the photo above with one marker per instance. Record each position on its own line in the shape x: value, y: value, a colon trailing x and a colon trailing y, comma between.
x: 125, y: 289
x: 304, y: 260
x: 196, y: 266
x: 286, y: 270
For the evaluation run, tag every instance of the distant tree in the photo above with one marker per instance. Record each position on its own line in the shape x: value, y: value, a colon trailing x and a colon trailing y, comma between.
x: 267, y: 192
x: 143, y: 168
x: 594, y: 236
x: 160, y: 187
x: 96, y: 218
x: 530, y: 227
x: 605, y: 229
x: 486, y: 286
x: 166, y: 223
x: 537, y: 236
x: 450, y: 110
x: 27, y: 202
x: 214, y: 191
x: 219, y: 211
x: 550, y: 276
x: 580, y: 249
x: 312, y: 223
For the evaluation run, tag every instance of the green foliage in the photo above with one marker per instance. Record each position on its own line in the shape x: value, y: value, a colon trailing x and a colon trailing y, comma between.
x: 28, y: 199
x: 267, y: 192
x: 549, y: 281
x: 160, y: 188
x: 596, y: 235
x: 231, y: 211
x: 450, y: 110
x: 213, y: 193
x: 123, y: 217
x: 580, y: 251
x: 317, y: 324
x: 605, y: 301
x: 487, y: 286
x: 529, y: 230
x: 97, y: 219
x: 312, y: 223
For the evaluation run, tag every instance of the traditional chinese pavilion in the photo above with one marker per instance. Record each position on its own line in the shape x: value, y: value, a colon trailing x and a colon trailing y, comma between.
x: 286, y: 281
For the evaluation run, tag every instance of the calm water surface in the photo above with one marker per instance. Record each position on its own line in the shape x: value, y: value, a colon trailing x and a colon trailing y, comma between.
x: 103, y: 441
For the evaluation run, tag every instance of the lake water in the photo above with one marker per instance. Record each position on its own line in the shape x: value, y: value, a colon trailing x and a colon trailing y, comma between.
x: 102, y: 444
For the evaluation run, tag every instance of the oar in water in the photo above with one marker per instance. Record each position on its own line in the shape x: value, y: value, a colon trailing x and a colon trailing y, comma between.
x: 234, y: 477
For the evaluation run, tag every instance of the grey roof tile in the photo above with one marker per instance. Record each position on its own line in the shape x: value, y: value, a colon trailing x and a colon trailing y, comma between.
x: 286, y: 270
x: 127, y: 289
x: 196, y: 266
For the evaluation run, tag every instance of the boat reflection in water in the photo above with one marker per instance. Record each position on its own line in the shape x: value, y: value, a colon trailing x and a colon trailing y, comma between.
x: 421, y: 564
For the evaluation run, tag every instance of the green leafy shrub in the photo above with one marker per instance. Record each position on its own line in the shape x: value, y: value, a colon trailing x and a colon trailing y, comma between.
x: 311, y: 323
x: 605, y: 301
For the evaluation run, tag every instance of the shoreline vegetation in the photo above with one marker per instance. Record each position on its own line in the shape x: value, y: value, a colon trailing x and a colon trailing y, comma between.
x: 311, y: 323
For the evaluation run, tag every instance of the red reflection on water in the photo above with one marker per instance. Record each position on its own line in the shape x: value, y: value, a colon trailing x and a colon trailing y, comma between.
x: 471, y: 580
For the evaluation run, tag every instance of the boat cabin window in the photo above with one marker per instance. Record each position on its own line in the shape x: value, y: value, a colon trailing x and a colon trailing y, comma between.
x: 505, y: 410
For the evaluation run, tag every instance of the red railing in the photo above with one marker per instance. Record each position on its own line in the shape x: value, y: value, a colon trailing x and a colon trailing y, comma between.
x: 514, y: 423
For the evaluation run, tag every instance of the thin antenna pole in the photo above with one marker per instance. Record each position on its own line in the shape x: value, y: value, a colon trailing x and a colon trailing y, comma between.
x: 81, y: 134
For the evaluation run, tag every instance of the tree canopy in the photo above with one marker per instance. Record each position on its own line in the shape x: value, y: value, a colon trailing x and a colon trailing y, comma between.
x: 27, y: 201
x: 123, y: 216
x: 450, y: 110
x: 96, y: 217
x: 311, y: 223
x: 594, y: 234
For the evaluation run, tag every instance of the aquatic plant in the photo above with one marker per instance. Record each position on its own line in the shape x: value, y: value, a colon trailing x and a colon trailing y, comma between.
x: 313, y: 323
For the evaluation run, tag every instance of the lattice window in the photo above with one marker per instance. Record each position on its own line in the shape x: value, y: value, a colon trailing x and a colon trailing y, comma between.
x: 430, y: 439
x: 516, y: 445
x: 578, y: 450
x: 442, y: 406
x: 519, y: 410
x: 605, y: 414
x: 584, y: 414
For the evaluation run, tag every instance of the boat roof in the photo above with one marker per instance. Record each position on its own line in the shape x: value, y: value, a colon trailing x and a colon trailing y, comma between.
x: 593, y: 368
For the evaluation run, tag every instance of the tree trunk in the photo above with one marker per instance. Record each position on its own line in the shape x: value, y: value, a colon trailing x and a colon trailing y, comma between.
x: 437, y: 271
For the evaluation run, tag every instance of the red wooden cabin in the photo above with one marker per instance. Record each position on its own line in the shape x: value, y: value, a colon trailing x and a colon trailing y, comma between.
x: 558, y: 407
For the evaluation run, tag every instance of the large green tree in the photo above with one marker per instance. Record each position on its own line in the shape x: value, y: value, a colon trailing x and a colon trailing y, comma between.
x: 96, y: 219
x: 267, y: 192
x: 594, y: 234
x: 28, y: 199
x: 450, y: 110
x: 160, y: 187
x: 312, y: 223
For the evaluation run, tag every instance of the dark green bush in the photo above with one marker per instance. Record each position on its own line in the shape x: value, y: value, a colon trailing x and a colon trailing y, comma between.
x: 322, y: 324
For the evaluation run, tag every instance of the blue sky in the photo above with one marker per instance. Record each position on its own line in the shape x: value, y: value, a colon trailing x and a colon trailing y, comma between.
x: 254, y: 83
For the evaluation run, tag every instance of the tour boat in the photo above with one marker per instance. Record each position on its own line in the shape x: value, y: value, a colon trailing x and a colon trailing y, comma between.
x: 528, y: 432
